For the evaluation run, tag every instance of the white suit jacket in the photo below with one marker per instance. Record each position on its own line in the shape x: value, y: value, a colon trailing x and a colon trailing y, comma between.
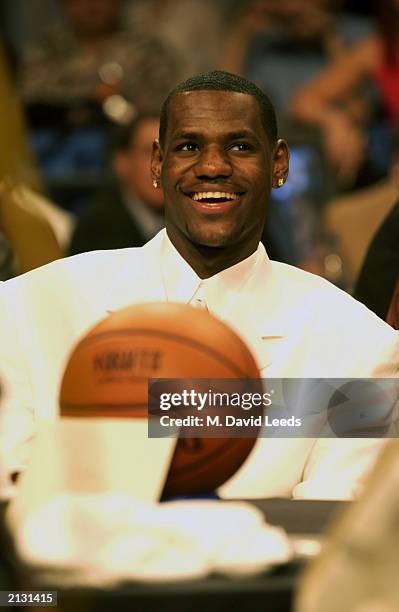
x: 297, y: 324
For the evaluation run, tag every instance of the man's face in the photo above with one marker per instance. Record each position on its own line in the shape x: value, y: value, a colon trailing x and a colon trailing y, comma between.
x: 216, y: 168
x: 133, y: 165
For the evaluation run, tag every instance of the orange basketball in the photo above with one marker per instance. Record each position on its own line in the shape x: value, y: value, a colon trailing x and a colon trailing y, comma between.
x: 107, y: 376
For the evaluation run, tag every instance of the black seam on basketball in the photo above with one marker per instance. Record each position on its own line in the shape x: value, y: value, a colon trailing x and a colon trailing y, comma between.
x: 151, y: 332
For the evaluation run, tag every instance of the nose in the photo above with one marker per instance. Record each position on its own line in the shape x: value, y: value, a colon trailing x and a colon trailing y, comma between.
x: 213, y: 163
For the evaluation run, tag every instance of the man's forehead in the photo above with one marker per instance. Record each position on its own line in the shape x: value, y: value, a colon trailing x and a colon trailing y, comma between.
x: 211, y: 98
x: 188, y: 110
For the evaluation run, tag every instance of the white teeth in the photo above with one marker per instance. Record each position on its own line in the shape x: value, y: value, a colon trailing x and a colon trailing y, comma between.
x: 215, y: 194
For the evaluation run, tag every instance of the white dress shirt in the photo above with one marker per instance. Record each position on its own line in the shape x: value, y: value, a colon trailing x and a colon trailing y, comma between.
x: 220, y: 291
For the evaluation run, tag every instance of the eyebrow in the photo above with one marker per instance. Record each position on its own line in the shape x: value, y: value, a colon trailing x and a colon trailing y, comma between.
x: 242, y: 134
x: 185, y: 136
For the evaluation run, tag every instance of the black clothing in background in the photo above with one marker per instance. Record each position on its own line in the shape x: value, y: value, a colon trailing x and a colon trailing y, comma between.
x: 106, y: 224
x: 380, y: 271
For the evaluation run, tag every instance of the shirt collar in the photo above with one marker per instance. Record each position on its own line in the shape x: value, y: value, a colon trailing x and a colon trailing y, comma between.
x: 221, y: 290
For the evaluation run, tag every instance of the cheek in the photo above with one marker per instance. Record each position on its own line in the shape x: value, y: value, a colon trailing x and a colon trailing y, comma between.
x: 174, y: 172
x: 262, y: 179
x: 255, y: 172
x: 260, y: 184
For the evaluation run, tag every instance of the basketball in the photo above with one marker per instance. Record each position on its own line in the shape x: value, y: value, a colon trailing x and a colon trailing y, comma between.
x: 108, y: 370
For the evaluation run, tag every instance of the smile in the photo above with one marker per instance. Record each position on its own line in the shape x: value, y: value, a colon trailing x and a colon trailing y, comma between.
x: 214, y: 196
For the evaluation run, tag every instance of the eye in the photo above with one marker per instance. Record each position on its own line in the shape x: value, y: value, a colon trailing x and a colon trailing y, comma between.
x: 187, y: 146
x: 241, y: 146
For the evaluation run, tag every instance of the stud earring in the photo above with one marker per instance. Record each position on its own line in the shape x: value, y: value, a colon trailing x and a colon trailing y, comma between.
x: 155, y: 184
x: 280, y: 182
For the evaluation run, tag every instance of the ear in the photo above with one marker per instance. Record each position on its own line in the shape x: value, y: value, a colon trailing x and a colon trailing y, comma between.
x: 156, y: 161
x: 281, y: 158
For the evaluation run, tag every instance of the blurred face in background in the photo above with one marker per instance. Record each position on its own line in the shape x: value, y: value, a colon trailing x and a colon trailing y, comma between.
x: 132, y: 166
x: 92, y: 17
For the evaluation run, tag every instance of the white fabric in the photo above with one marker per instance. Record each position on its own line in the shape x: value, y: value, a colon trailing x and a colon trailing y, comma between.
x: 97, y: 540
x: 297, y: 325
x: 93, y: 456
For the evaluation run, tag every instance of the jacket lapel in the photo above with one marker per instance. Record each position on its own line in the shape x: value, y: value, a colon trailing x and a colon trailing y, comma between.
x: 257, y: 315
x: 139, y: 279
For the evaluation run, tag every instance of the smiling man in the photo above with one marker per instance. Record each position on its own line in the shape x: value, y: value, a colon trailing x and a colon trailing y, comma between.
x: 217, y: 158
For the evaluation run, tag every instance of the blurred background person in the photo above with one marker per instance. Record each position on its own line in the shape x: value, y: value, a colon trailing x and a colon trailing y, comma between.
x: 380, y: 271
x: 288, y: 42
x: 350, y: 221
x: 16, y: 159
x: 200, y: 31
x: 91, y: 55
x: 80, y: 75
x: 23, y: 210
x: 364, y: 224
x: 357, y: 136
x: 130, y: 212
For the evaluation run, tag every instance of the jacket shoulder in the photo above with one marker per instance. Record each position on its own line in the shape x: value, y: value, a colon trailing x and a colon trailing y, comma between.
x: 80, y: 268
x: 318, y: 295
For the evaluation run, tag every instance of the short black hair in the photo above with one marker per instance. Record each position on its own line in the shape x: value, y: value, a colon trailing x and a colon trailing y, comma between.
x: 219, y: 80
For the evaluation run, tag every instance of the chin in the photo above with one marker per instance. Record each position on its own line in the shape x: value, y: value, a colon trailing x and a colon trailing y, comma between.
x: 213, y: 238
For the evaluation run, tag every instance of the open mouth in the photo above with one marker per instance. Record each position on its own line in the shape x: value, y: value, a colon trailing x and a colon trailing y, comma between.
x: 214, y: 197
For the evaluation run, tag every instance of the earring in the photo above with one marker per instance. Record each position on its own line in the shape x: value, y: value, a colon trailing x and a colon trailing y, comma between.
x: 155, y: 184
x: 280, y: 182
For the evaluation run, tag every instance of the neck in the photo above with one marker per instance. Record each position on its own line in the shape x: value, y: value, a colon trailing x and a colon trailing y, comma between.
x: 207, y: 261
